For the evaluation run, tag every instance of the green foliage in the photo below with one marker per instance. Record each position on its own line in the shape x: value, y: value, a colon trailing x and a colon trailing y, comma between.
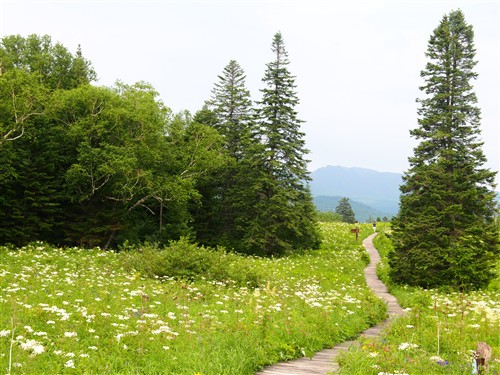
x: 282, y: 216
x: 222, y: 204
x: 85, y: 310
x: 445, y: 232
x: 54, y: 65
x: 494, y: 285
x: 259, y: 203
x: 344, y: 209
x: 232, y: 107
x: 383, y: 244
x: 186, y: 261
x: 328, y: 216
x: 436, y: 335
x: 98, y: 166
x: 93, y: 165
x: 22, y: 100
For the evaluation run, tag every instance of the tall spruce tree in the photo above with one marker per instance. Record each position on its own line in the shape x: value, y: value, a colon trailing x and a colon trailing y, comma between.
x: 445, y: 233
x: 232, y: 106
x: 230, y: 112
x: 282, y: 215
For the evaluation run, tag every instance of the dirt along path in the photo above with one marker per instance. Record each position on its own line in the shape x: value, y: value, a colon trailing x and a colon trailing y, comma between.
x: 324, y: 361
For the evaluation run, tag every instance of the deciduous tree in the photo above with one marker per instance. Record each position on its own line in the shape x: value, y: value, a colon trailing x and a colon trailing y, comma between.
x: 34, y: 152
x: 30, y: 69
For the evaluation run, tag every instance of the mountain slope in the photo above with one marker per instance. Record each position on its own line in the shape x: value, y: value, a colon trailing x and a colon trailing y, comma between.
x: 379, y: 190
x: 362, y: 212
x: 371, y: 193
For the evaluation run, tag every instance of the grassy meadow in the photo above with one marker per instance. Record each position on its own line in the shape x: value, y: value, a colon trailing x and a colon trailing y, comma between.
x: 437, y: 335
x: 146, y: 311
x: 197, y: 311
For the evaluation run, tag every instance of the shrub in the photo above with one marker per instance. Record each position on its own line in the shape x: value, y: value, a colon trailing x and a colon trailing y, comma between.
x: 187, y: 261
x: 329, y: 217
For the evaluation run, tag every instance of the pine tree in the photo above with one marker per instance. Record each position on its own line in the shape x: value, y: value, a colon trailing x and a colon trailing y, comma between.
x: 344, y: 209
x: 445, y: 233
x: 282, y: 215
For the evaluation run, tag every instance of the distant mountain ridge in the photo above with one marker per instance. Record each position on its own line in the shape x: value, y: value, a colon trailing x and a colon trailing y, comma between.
x: 362, y: 212
x: 371, y: 193
x: 376, y: 192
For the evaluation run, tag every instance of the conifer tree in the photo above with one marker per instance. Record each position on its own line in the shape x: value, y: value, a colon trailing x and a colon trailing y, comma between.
x: 344, y: 209
x: 230, y: 112
x: 232, y: 107
x: 282, y: 215
x: 445, y: 233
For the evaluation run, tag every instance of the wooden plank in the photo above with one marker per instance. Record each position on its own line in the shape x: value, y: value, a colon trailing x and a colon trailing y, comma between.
x: 324, y: 362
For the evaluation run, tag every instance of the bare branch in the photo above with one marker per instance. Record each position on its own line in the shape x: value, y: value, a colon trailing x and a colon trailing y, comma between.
x: 6, y: 136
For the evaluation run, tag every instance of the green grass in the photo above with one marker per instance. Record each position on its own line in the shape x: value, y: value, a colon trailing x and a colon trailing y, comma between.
x: 89, y: 311
x: 150, y: 311
x: 437, y: 334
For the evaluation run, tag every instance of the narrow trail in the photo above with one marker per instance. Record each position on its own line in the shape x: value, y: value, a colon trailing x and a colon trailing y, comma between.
x: 324, y: 361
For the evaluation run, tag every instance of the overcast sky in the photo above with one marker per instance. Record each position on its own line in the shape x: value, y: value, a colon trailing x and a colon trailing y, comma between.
x: 357, y: 63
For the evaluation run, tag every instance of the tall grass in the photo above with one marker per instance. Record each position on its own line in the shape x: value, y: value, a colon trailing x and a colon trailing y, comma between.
x: 178, y: 310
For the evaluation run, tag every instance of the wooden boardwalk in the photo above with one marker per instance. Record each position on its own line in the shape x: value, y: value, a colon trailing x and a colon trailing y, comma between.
x: 324, y: 362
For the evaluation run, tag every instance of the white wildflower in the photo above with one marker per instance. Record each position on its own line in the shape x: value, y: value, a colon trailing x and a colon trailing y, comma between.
x: 33, y: 346
x: 160, y: 330
x: 28, y: 329
x: 436, y: 358
x: 407, y: 345
x: 4, y: 333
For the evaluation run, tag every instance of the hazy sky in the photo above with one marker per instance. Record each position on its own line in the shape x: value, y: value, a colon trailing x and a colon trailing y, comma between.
x: 357, y: 63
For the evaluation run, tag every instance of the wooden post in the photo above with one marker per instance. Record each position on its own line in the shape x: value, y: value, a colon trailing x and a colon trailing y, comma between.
x: 355, y: 230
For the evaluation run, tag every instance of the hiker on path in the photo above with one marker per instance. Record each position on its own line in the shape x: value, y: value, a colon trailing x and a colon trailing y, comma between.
x: 374, y: 226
